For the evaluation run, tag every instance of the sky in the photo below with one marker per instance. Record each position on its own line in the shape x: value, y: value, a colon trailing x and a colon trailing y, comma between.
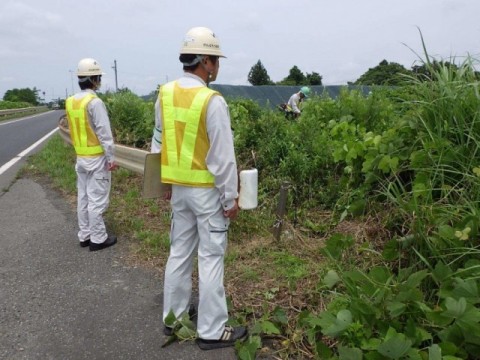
x: 42, y: 41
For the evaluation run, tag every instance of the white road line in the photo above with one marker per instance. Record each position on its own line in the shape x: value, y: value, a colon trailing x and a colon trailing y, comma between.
x: 12, y: 162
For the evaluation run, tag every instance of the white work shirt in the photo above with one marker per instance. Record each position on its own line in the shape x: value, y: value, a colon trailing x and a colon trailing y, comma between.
x: 220, y: 158
x: 294, y: 102
x: 100, y: 123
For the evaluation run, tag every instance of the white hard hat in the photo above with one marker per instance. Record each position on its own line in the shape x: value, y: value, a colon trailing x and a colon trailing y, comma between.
x: 88, y: 67
x: 201, y: 41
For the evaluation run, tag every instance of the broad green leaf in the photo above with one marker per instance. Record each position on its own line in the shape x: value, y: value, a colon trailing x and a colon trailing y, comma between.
x: 324, y: 320
x: 408, y: 294
x: 448, y: 348
x: 391, y: 250
x: 385, y: 164
x: 419, y: 190
x: 422, y: 306
x: 446, y: 232
x: 269, y: 328
x: 355, y: 276
x: 247, y: 349
x: 469, y: 321
x: 396, y: 308
x: 280, y: 316
x: 367, y: 165
x: 352, y: 154
x: 170, y: 319
x: 349, y: 353
x: 370, y: 344
x: 256, y: 329
x: 184, y: 333
x: 441, y: 271
x: 380, y: 274
x: 414, y: 354
x: 322, y: 350
x: 455, y: 308
x: 365, y: 307
x: 415, y: 279
x: 341, y: 322
x: 186, y: 322
x: 467, y: 289
x: 395, y: 347
x: 434, y: 352
x: 331, y: 279
x: 438, y: 318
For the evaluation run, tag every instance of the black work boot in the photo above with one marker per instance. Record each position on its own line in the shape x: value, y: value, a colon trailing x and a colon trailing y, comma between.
x: 111, y: 240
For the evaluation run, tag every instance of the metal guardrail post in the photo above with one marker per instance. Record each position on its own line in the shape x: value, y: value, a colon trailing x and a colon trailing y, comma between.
x: 21, y: 110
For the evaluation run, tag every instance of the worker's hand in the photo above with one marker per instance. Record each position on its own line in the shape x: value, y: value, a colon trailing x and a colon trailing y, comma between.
x: 232, y: 212
x: 112, y: 166
x: 167, y: 194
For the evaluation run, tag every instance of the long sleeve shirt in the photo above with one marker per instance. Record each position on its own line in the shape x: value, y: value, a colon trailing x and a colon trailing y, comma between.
x: 220, y: 158
x: 100, y: 123
x: 294, y: 103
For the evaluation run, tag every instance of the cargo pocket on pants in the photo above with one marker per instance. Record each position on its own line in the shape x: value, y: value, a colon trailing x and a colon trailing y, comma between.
x: 218, y: 229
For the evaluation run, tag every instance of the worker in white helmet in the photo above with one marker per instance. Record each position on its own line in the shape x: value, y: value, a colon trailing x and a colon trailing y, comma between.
x: 293, y: 104
x: 193, y: 133
x: 92, y: 139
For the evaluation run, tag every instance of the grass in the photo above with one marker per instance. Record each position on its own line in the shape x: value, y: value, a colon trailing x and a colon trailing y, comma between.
x: 57, y: 161
x: 261, y: 273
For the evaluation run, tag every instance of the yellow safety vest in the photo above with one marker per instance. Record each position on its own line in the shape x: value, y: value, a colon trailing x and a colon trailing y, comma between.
x: 185, y: 142
x: 84, y: 139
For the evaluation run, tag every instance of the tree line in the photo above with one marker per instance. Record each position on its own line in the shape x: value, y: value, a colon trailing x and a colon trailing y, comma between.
x: 25, y: 95
x: 385, y: 73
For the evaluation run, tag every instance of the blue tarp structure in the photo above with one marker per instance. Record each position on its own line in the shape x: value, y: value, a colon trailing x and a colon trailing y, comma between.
x: 273, y: 95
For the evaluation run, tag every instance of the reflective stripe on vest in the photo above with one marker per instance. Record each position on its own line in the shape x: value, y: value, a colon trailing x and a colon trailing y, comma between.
x: 84, y: 139
x: 185, y: 141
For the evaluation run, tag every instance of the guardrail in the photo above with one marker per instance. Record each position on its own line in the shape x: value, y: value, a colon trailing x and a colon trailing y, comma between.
x: 21, y: 110
x: 126, y: 157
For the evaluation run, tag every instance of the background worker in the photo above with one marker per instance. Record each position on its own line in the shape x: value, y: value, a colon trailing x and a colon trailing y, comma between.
x: 193, y: 132
x: 293, y: 104
x: 92, y: 139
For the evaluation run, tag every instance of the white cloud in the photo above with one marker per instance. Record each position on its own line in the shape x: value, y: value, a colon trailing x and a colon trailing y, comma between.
x: 43, y: 40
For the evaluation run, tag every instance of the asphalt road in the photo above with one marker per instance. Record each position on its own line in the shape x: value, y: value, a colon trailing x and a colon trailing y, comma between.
x: 17, y: 135
x: 61, y: 301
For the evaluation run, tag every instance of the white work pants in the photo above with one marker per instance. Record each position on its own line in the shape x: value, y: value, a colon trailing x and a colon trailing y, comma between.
x: 93, y: 188
x: 197, y: 223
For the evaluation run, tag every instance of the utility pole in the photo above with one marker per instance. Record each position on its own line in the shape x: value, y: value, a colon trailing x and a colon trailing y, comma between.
x: 114, y: 67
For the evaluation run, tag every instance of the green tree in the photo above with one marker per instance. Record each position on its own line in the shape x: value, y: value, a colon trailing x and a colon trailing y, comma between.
x: 258, y: 75
x: 22, y: 95
x: 384, y: 73
x: 314, y: 79
x: 295, y: 77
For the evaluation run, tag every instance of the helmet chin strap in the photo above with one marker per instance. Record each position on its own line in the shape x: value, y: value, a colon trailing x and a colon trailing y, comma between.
x: 209, y: 77
x: 97, y: 84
